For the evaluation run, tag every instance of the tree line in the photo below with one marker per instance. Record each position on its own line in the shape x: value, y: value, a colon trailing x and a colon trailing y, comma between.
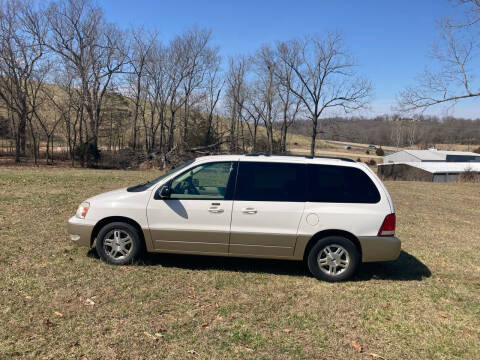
x: 71, y: 79
x: 66, y: 72
x: 422, y: 131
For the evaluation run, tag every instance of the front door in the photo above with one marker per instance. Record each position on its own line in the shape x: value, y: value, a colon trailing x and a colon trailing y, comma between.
x: 196, y: 217
x: 268, y: 206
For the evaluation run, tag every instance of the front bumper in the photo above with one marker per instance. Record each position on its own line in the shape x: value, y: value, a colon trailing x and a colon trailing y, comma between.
x: 80, y: 231
x: 380, y: 248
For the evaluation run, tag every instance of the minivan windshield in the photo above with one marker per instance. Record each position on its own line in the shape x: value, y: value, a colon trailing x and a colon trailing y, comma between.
x: 148, y: 184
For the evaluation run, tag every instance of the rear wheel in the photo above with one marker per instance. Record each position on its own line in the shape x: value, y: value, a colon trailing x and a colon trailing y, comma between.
x: 119, y: 243
x: 333, y: 258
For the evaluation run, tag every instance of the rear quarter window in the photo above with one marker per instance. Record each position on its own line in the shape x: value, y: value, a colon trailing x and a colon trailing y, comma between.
x: 340, y: 184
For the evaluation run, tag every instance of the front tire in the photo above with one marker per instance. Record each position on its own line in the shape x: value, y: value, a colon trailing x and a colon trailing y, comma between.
x: 119, y: 243
x: 333, y: 258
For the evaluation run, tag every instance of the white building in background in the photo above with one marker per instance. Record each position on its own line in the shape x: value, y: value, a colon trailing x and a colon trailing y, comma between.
x: 427, y: 170
x: 429, y: 165
x: 431, y: 155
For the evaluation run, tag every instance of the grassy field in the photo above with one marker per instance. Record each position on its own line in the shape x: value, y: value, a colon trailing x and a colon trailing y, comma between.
x: 58, y: 301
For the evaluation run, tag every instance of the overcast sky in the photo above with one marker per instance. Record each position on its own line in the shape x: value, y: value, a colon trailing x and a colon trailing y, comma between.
x: 390, y: 39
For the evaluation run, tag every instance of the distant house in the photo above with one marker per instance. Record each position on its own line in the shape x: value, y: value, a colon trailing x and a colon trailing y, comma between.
x: 435, y: 171
x: 432, y: 155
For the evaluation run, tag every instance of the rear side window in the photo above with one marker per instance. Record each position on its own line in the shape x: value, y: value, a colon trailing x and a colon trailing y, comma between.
x: 340, y: 184
x: 262, y: 181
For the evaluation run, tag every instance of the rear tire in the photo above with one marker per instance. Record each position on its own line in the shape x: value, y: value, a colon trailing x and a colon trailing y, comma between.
x: 119, y: 243
x: 333, y: 258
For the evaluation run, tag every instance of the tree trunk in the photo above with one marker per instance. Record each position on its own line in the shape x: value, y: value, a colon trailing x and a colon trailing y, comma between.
x: 270, y: 137
x: 243, y: 137
x: 283, y: 141
x: 135, y: 115
x: 22, y: 133
x: 209, y: 129
x: 171, y: 130
x: 97, y: 126
x: 53, y: 146
x: 185, y: 121
x: 314, y: 136
x: 34, y: 143
x: 232, y: 127
x: 82, y: 158
x: 154, y: 128
x: 21, y: 137
x: 17, y: 148
x: 48, y: 150
x: 162, y: 131
x: 69, y: 138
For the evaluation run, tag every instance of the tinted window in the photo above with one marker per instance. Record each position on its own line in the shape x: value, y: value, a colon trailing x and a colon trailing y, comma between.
x: 261, y: 181
x: 206, y: 181
x: 340, y: 184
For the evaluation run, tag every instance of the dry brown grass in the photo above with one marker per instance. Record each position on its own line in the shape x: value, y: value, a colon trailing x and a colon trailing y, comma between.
x: 425, y: 305
x: 468, y: 176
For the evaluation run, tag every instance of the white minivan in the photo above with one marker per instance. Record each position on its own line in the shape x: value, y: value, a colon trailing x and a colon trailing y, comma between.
x: 332, y: 213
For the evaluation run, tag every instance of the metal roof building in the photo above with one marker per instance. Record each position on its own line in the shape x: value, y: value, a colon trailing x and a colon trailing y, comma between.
x: 431, y: 155
x: 427, y: 171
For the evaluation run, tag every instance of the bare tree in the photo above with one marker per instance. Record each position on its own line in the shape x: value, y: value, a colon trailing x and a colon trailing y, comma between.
x: 252, y: 108
x: 177, y: 70
x: 64, y: 98
x: 326, y: 71
x: 22, y: 66
x: 266, y: 90
x: 93, y: 48
x: 291, y: 105
x: 472, y: 13
x: 48, y: 117
x: 455, y: 58
x: 201, y: 59
x: 397, y: 133
x: 139, y: 56
x: 158, y: 87
x: 412, y: 132
x: 236, y: 97
x: 214, y: 86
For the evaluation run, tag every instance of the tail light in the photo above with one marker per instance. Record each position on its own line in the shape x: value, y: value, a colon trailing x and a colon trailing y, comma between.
x: 388, y: 226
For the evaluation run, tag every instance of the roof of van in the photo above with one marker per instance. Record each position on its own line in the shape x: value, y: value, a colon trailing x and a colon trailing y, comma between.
x: 281, y: 158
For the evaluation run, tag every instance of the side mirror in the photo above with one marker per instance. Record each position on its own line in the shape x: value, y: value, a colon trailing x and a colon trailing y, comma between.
x: 164, y: 192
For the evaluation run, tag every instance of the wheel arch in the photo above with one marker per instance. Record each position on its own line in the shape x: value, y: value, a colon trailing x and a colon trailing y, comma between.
x: 331, y: 232
x: 99, y: 225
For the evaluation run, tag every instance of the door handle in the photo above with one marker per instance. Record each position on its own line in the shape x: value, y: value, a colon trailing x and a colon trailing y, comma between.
x: 216, y: 210
x: 249, y: 211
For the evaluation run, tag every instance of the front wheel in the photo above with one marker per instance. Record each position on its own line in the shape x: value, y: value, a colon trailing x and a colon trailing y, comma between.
x: 119, y: 243
x: 333, y: 258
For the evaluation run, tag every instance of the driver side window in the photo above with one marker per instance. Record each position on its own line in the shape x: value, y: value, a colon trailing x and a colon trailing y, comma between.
x: 206, y: 181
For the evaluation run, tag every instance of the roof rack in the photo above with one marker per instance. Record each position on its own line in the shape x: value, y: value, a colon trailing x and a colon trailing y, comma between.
x: 305, y: 156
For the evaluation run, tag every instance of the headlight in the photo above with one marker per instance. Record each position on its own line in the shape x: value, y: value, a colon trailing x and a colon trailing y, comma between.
x: 82, y: 210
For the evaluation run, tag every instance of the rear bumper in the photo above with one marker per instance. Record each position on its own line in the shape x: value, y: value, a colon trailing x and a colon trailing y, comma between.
x: 80, y: 231
x: 380, y: 248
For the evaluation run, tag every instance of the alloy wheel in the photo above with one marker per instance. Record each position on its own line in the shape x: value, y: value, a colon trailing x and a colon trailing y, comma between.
x: 333, y: 259
x: 118, y: 244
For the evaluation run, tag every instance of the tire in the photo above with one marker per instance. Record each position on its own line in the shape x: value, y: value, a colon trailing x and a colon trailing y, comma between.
x: 333, y: 258
x: 119, y: 243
